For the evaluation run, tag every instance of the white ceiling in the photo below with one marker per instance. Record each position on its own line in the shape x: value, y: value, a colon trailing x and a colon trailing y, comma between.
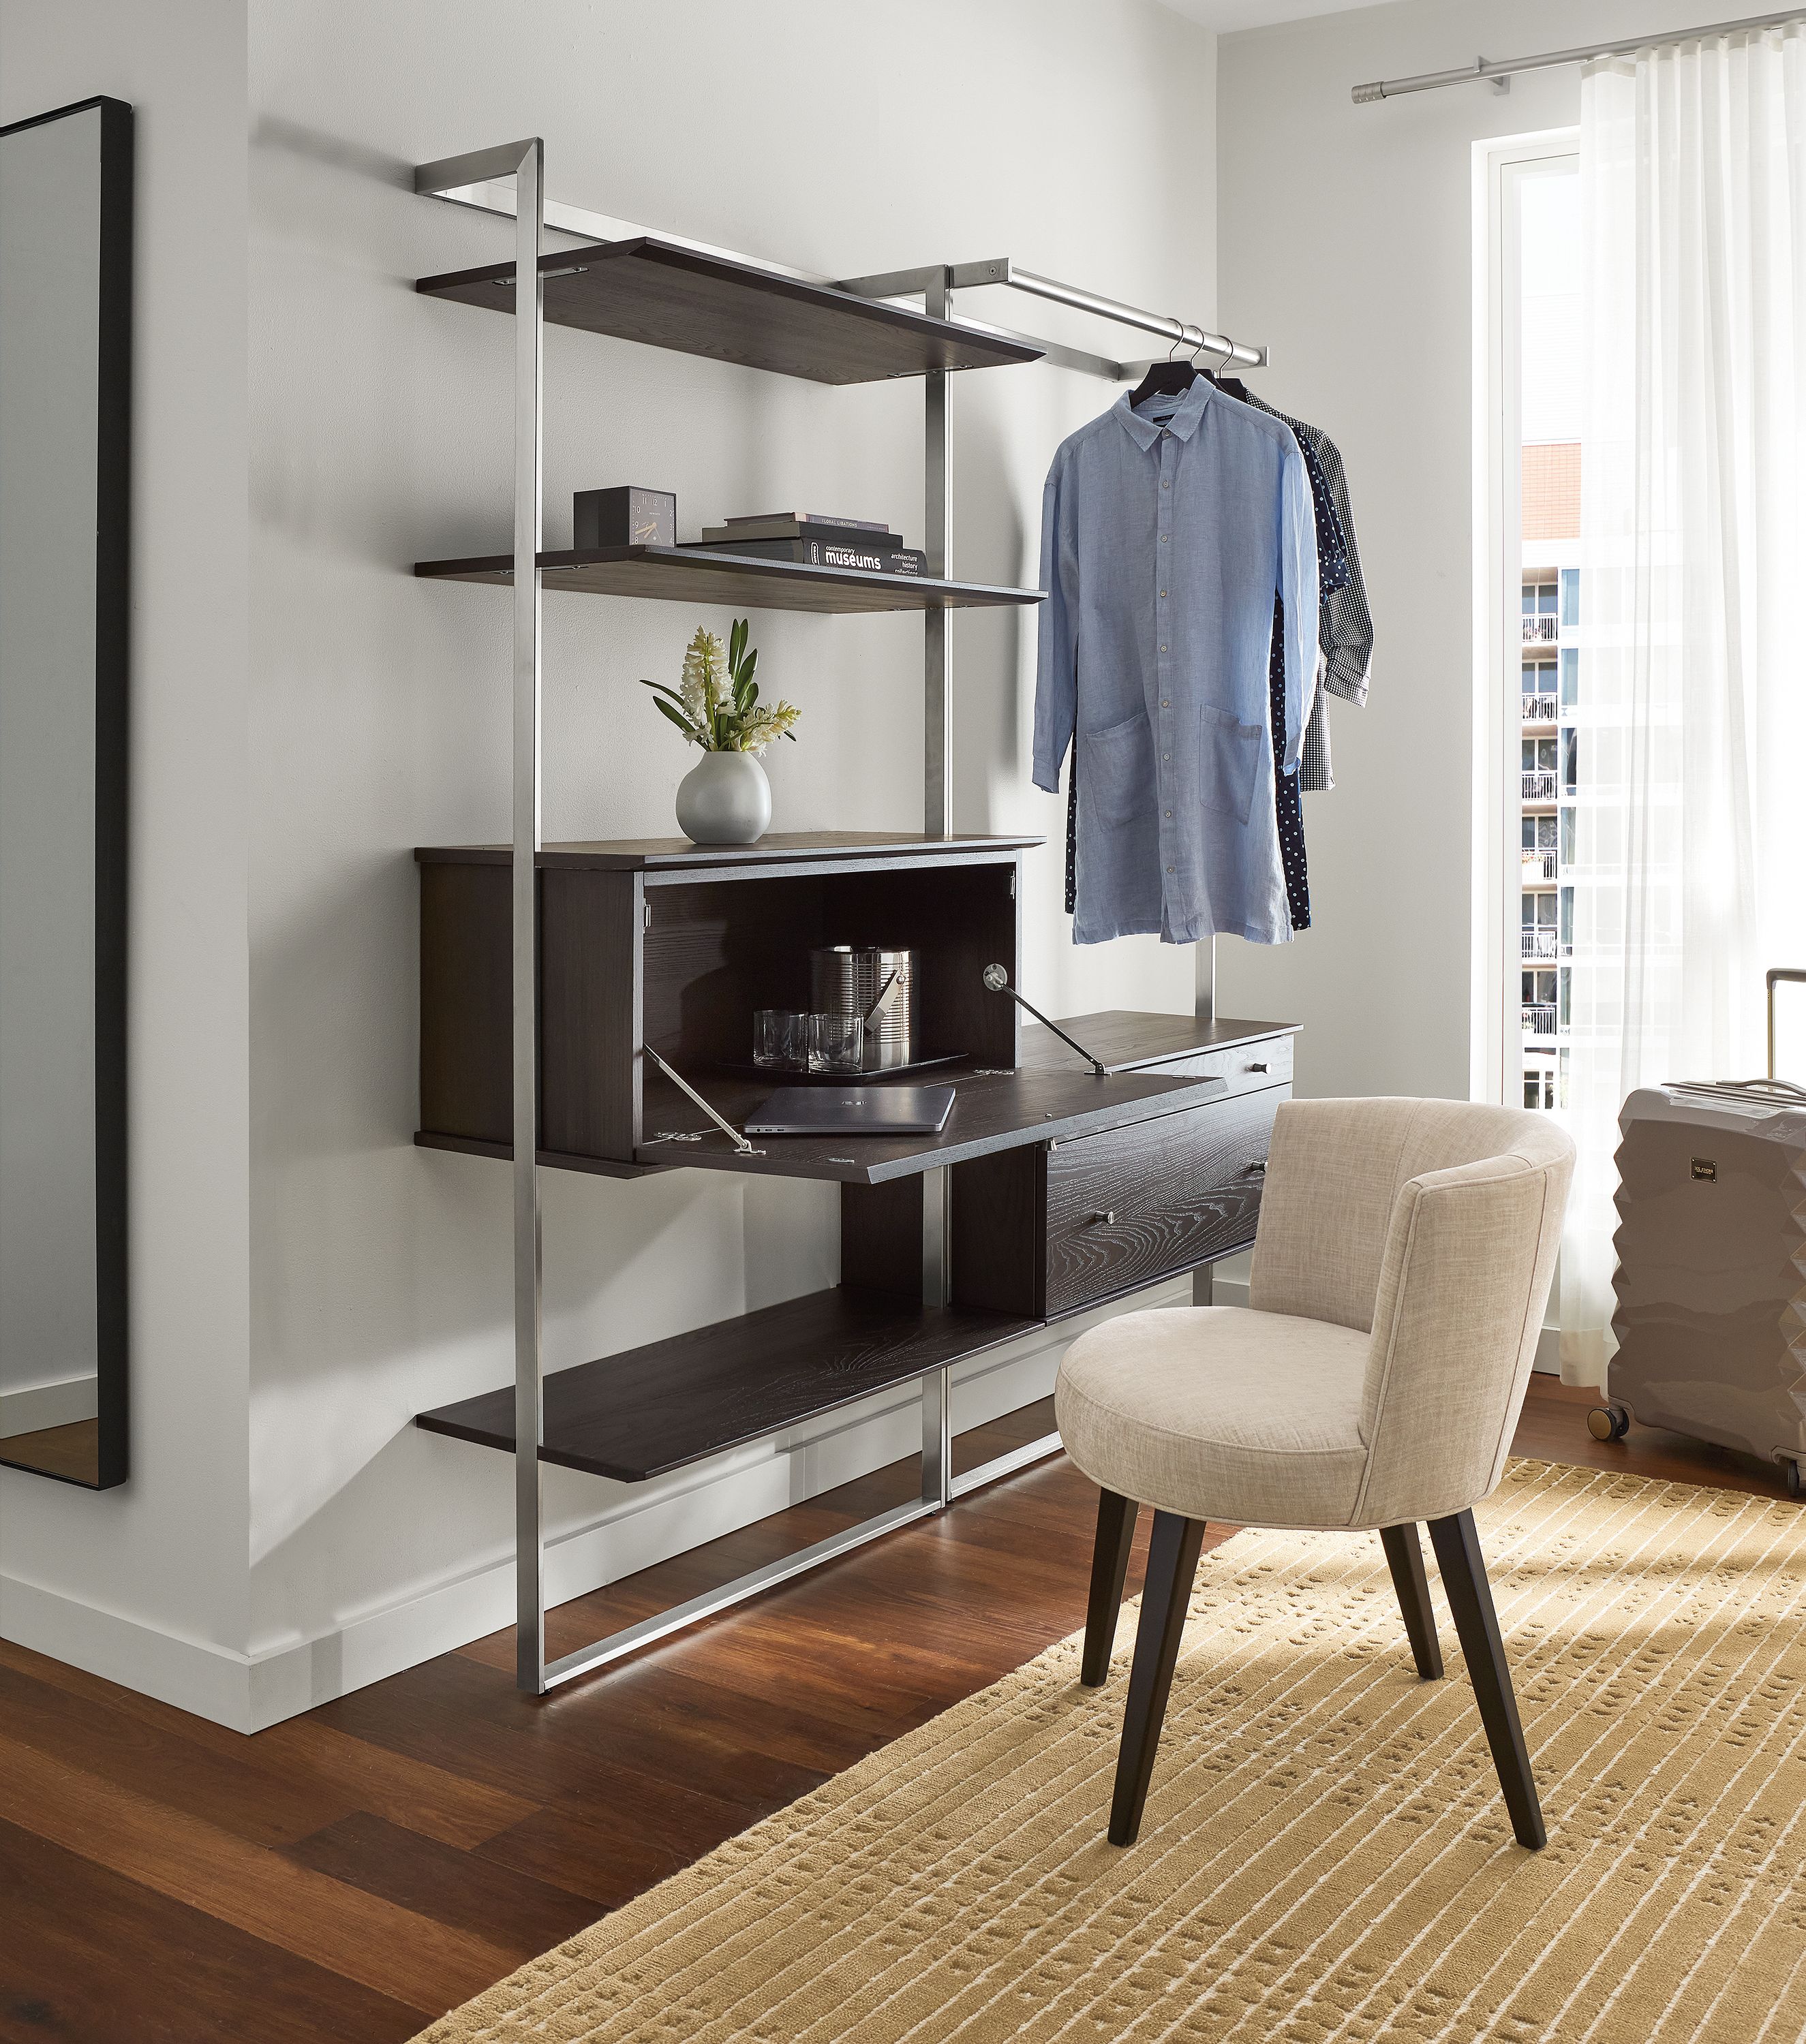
x: 1226, y: 16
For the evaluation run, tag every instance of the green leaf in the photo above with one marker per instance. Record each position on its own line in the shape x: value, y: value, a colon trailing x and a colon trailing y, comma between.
x: 662, y: 691
x: 682, y: 722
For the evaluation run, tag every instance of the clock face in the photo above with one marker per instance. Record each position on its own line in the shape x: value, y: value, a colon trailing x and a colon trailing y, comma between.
x: 651, y: 519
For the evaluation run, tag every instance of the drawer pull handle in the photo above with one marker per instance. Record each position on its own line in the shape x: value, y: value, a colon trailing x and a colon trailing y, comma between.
x: 1257, y: 1167
x: 1106, y: 1216
x: 1257, y: 1068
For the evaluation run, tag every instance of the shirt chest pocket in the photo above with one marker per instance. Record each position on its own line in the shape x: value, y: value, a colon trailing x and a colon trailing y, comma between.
x: 1229, y: 762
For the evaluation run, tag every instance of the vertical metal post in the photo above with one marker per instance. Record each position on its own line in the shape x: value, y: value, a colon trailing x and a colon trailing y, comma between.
x: 1204, y: 1008
x: 936, y: 821
x: 937, y: 544
x: 530, y: 1581
x: 937, y: 1289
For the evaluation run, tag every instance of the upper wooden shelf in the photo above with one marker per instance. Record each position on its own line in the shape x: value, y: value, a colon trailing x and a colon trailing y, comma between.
x: 696, y: 575
x: 777, y: 849
x: 653, y: 291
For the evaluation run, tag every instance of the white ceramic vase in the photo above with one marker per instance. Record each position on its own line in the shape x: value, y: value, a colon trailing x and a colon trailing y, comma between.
x: 724, y: 799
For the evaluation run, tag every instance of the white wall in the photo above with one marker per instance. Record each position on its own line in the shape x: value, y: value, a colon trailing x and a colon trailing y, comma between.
x: 148, y: 1583
x: 1345, y: 243
x: 1073, y: 136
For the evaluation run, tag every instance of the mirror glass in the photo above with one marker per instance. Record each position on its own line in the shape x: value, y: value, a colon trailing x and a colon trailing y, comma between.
x: 65, y: 282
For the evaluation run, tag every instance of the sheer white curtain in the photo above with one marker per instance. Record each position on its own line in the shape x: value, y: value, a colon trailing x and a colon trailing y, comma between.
x: 1689, y: 848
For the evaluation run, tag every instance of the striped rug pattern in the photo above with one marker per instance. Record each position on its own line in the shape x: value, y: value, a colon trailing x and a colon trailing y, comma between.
x: 1325, y: 1855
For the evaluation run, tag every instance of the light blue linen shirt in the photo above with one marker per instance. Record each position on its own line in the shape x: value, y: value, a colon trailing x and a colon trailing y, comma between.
x: 1162, y: 548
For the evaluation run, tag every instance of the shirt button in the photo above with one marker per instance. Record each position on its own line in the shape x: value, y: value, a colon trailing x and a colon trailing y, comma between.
x: 1167, y: 756
x: 1164, y: 537
x: 1164, y: 703
x: 1166, y: 485
x: 1163, y: 595
x: 1169, y: 869
x: 1163, y: 755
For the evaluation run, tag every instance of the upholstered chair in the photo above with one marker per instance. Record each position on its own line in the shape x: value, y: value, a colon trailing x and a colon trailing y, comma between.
x: 1402, y: 1263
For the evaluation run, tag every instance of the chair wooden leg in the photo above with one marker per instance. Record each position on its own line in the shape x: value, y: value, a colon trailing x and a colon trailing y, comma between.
x: 1109, y: 1569
x: 1470, y: 1597
x: 1404, y: 1556
x: 1172, y: 1562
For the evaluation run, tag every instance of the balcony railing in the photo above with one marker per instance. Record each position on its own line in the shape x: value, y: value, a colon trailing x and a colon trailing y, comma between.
x: 1541, y: 630
x: 1539, y: 864
x: 1536, y: 943
x: 1540, y: 786
x: 1539, y: 709
x: 1539, y: 1019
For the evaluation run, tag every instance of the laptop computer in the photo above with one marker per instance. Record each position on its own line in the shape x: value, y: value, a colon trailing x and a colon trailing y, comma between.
x: 853, y: 1110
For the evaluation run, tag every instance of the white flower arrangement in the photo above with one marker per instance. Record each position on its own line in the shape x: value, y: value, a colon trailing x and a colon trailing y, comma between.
x: 718, y: 706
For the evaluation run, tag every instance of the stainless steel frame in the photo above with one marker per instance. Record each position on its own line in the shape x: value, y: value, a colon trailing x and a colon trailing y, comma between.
x: 526, y: 163
x: 1499, y: 74
x: 510, y: 181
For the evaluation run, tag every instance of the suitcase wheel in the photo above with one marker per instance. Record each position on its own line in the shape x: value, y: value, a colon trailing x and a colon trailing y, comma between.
x: 1612, y: 1422
x: 1796, y: 1479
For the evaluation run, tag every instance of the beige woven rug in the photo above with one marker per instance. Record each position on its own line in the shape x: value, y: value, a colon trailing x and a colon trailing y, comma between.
x: 1325, y: 1855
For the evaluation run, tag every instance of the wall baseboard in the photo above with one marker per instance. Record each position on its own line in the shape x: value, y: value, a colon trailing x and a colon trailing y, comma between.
x: 33, y: 1407
x: 246, y: 1691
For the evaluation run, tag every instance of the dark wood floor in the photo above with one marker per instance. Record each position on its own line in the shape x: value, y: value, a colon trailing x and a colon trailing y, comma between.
x: 352, y: 1873
x: 72, y: 1451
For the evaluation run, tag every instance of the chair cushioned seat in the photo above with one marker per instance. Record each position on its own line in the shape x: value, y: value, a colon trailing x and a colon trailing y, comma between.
x: 1220, y: 1412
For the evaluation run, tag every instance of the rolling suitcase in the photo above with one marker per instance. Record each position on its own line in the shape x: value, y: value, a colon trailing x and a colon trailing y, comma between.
x: 1711, y: 1317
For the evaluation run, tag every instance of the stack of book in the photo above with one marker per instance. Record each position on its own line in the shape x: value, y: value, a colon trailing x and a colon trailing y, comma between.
x: 816, y: 539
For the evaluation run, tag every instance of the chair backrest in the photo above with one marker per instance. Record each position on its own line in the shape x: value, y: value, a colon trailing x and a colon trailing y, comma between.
x: 1432, y: 1225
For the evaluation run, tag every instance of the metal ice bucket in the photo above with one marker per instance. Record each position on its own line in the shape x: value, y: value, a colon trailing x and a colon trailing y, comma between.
x: 855, y: 979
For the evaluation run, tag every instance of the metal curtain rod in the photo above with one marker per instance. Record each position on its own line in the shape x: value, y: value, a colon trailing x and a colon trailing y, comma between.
x: 494, y: 195
x: 1508, y: 67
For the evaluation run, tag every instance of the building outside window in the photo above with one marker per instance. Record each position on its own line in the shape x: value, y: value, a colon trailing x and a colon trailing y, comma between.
x: 1552, y: 683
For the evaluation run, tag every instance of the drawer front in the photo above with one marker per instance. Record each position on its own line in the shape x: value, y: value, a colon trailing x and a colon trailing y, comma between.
x: 1246, y: 1067
x: 1133, y: 1204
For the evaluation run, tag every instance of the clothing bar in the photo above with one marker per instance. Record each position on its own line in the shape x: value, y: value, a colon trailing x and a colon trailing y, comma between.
x: 1179, y: 331
x: 1429, y: 81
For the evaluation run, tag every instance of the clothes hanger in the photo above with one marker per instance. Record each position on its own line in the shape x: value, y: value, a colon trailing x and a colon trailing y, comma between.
x: 1230, y: 386
x: 1169, y: 378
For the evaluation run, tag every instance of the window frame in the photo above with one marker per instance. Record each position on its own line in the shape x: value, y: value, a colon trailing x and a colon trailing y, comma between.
x: 1500, y: 167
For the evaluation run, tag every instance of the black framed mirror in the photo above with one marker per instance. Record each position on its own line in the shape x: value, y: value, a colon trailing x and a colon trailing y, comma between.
x: 65, y: 419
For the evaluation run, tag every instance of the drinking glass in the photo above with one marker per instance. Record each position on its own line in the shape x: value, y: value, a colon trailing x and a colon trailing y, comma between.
x: 780, y: 1039
x: 837, y: 1043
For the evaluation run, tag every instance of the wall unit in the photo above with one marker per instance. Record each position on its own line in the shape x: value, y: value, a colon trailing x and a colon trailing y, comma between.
x: 552, y: 976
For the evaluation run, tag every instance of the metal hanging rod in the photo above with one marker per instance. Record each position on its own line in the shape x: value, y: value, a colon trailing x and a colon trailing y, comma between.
x: 1503, y: 72
x: 1001, y: 270
x: 497, y: 197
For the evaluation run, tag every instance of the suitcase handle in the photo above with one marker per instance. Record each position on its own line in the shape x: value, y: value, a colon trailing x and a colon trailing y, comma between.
x: 1778, y: 973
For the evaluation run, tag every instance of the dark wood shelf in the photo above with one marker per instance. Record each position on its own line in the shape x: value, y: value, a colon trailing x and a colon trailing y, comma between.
x: 1128, y: 1040
x: 780, y: 850
x: 666, y: 296
x: 654, y: 1409
x: 686, y: 574
x: 993, y: 1110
